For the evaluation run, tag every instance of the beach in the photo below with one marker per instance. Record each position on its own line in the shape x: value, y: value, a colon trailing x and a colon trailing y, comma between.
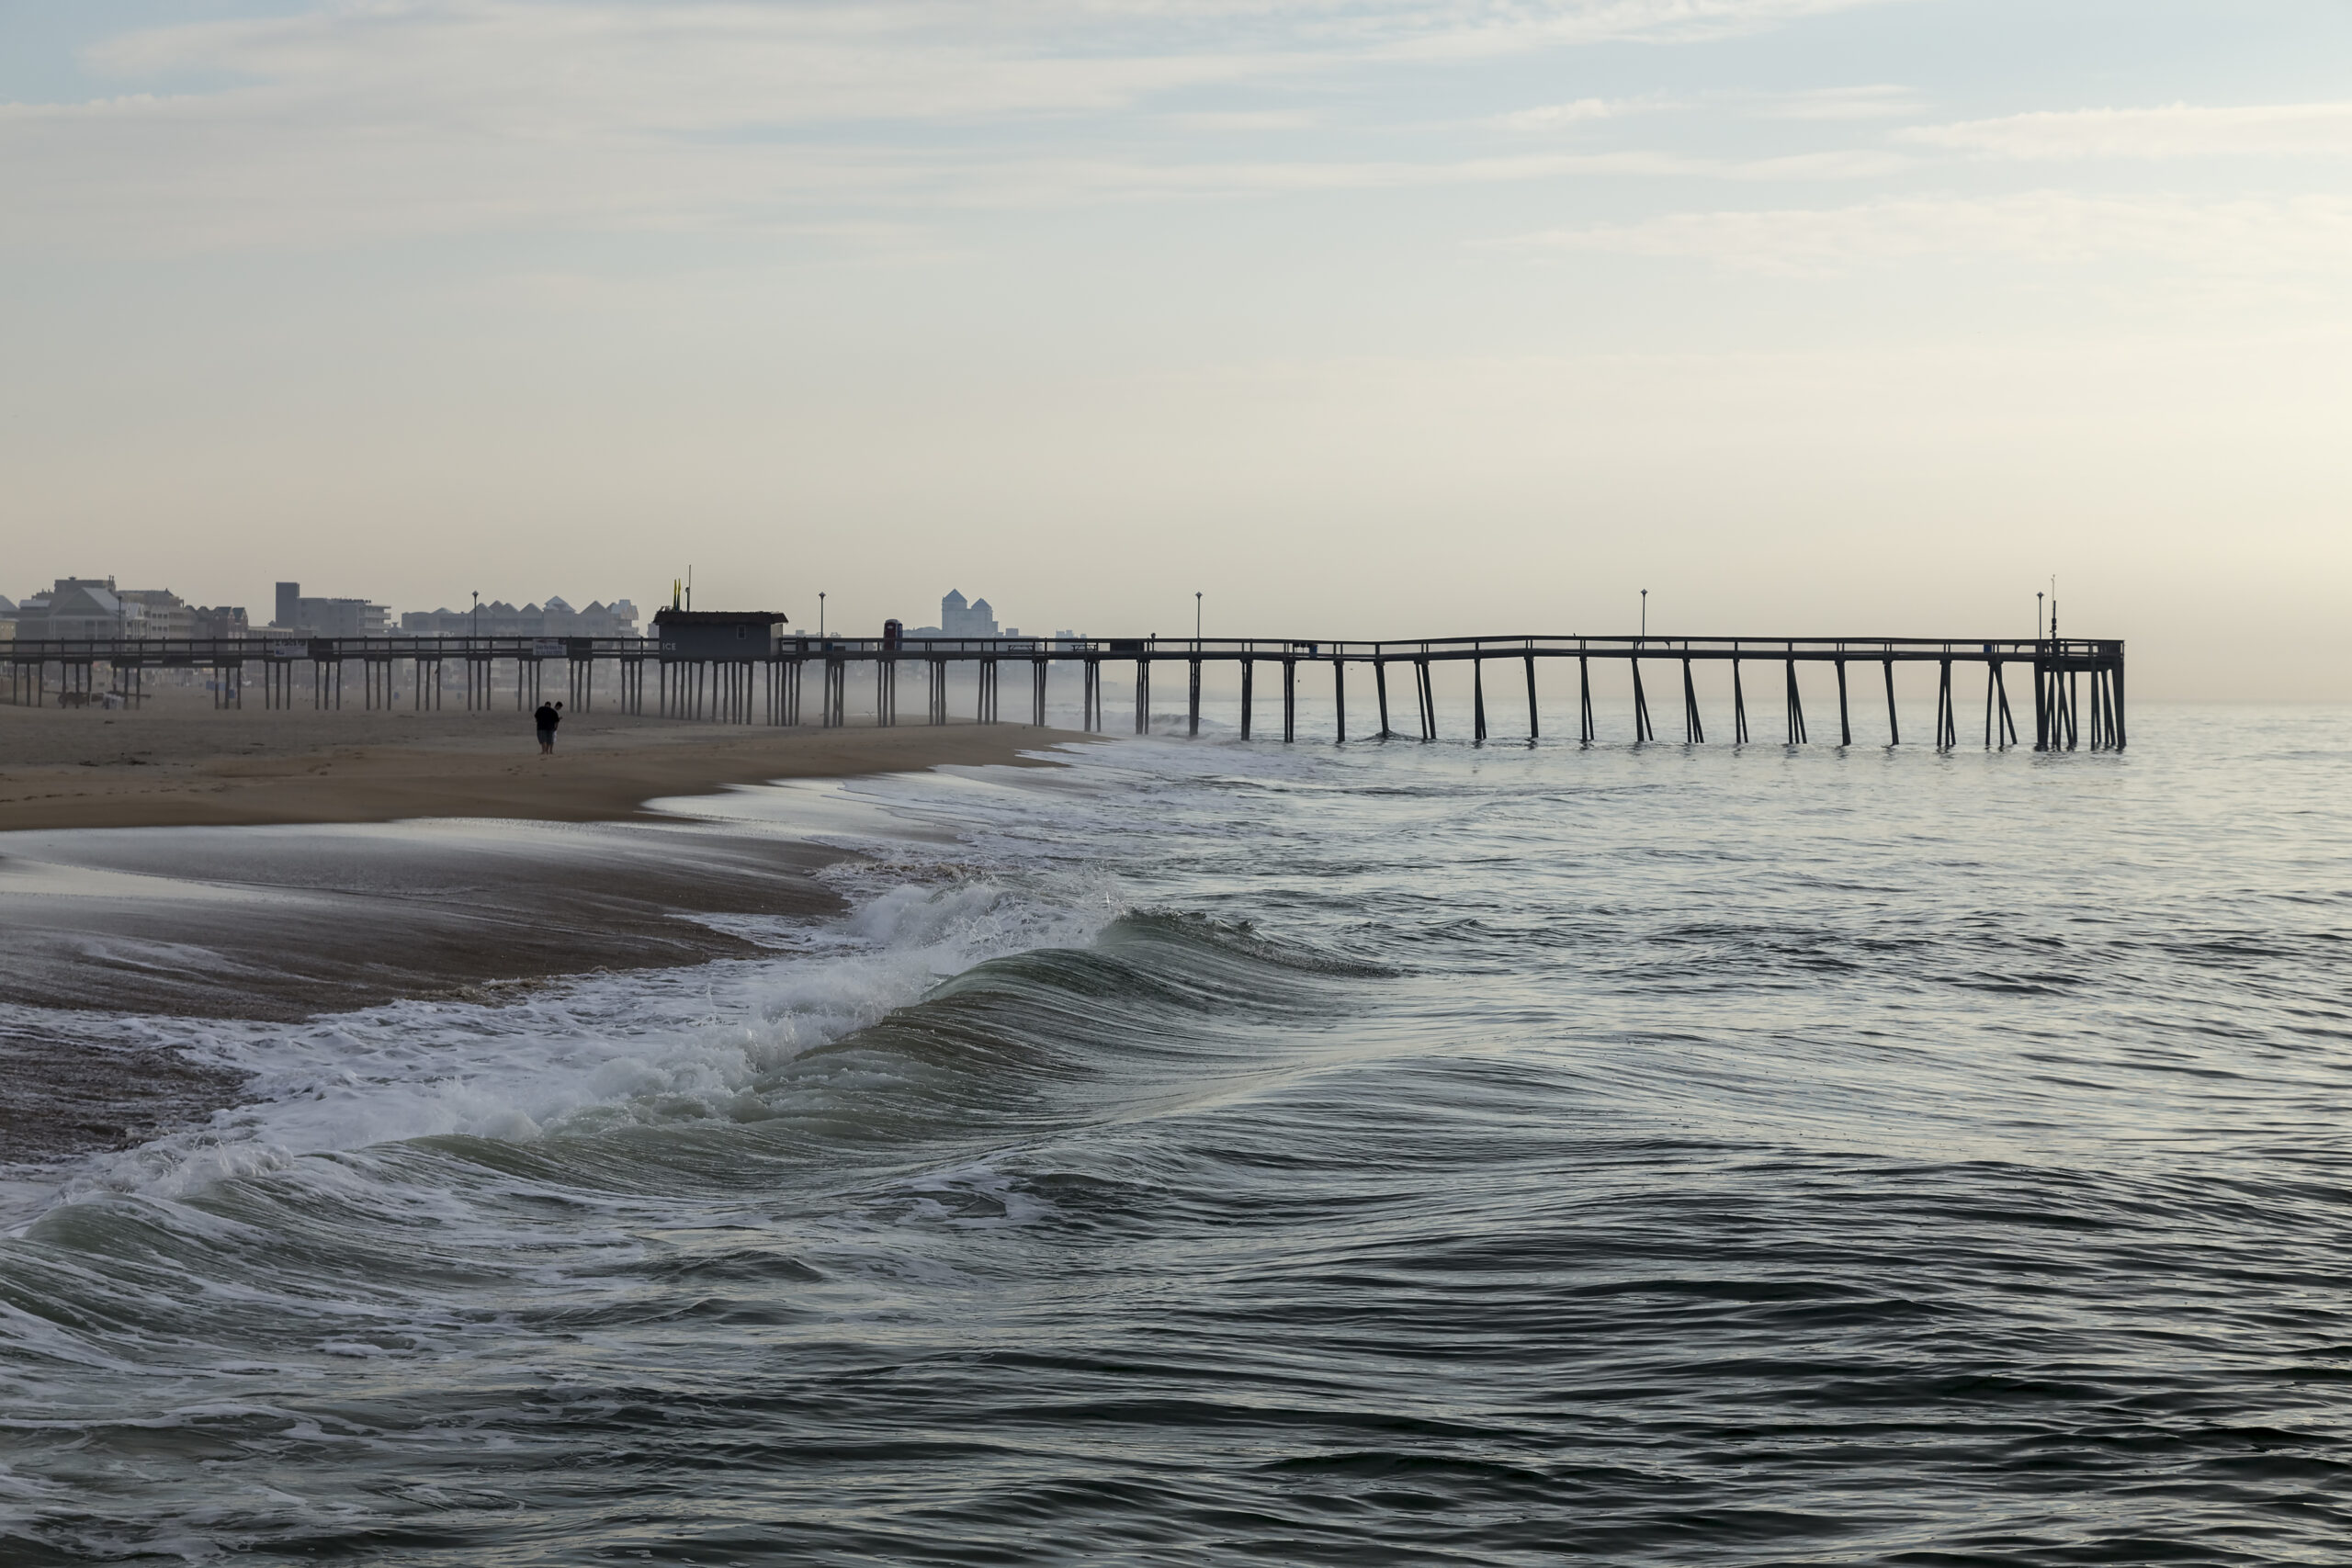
x: 178, y: 760
x: 280, y: 864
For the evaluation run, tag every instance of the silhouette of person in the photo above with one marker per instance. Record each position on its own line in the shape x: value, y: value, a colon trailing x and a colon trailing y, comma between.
x: 548, y: 718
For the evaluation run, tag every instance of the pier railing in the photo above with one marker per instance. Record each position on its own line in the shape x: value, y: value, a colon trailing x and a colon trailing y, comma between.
x: 724, y: 689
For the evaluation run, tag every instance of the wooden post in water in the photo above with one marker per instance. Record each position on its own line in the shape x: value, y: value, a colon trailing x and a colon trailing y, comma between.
x: 1193, y: 700
x: 1642, y: 730
x: 1738, y: 706
x: 1693, y: 732
x: 1796, y: 708
x: 1037, y: 691
x: 1478, y: 699
x: 1894, y: 729
x: 1143, y: 695
x: 1290, y: 699
x: 1533, y: 731
x: 1585, y: 733
x: 1429, y: 699
x: 1844, y: 724
x: 1340, y: 694
x: 1248, y: 676
x: 1379, y: 685
x: 2115, y: 678
x: 1947, y: 717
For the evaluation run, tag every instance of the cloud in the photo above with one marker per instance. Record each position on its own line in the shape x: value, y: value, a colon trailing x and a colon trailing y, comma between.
x: 1881, y: 102
x: 378, y: 117
x: 2182, y: 130
x: 1583, y: 111
x: 2243, y: 237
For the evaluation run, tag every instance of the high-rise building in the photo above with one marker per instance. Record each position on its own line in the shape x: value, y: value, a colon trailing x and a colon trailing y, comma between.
x: 959, y: 618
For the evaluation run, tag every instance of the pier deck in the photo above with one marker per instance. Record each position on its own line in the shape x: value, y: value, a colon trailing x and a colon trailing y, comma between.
x: 769, y: 684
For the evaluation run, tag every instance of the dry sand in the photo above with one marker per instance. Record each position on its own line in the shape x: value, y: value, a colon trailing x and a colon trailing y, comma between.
x: 179, y: 762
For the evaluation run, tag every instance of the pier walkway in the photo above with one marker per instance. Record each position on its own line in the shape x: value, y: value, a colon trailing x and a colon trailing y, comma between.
x: 2075, y: 685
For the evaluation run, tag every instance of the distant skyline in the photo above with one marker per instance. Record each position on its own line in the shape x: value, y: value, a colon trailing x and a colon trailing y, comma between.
x: 1809, y: 316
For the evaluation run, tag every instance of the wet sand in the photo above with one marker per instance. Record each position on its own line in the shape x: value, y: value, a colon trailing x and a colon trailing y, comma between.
x: 277, y: 865
x: 178, y: 762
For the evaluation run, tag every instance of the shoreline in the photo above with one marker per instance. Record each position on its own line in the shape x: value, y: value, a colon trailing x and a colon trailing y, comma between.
x: 185, y: 764
x: 411, y: 857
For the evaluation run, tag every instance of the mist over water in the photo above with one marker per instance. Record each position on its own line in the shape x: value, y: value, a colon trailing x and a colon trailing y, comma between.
x: 1246, y: 1153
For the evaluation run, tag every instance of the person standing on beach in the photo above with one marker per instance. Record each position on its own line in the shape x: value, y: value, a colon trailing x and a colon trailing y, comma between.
x: 549, y: 716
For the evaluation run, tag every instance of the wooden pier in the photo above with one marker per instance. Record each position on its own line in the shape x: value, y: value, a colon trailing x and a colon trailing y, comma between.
x: 2075, y: 685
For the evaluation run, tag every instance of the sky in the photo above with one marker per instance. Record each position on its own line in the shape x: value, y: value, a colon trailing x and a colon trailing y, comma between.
x: 1359, y: 318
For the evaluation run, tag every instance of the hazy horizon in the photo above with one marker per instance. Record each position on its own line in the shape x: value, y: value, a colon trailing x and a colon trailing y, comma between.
x: 1813, y: 317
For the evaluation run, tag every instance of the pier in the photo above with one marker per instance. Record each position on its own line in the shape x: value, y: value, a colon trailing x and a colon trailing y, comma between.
x: 2074, y: 686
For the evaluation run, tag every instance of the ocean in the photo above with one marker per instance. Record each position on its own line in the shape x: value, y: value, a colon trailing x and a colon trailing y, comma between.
x: 1235, y: 1153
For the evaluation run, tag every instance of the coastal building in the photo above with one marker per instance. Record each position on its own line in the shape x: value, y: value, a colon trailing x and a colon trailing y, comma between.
x: 298, y: 612
x: 219, y: 622
x: 554, y: 618
x: 168, y: 614
x: 961, y: 617
x: 721, y: 636
x: 79, y: 609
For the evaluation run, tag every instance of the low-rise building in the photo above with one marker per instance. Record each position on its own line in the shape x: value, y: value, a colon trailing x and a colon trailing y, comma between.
x: 499, y: 618
x: 219, y: 622
x: 168, y: 614
x: 79, y: 609
x: 720, y: 636
x: 311, y: 615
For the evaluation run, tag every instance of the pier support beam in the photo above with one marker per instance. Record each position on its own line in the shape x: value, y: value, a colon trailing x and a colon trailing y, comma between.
x: 1738, y: 707
x: 1796, y: 708
x: 1427, y: 698
x: 1947, y: 719
x: 1192, y: 702
x: 1290, y: 699
x: 1380, y: 686
x: 1478, y: 699
x: 1535, y: 730
x: 1893, y: 727
x: 1642, y: 731
x: 1340, y: 696
x: 1143, y: 697
x: 1585, y: 734
x: 1845, y: 720
x: 1693, y: 732
x: 1037, y: 668
x: 2115, y: 695
x: 1249, y: 679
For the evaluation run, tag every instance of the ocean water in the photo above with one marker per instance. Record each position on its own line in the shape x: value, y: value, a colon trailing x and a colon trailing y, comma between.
x: 1221, y: 1153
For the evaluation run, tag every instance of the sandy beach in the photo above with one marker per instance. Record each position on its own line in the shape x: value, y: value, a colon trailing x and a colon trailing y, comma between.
x: 242, y: 877
x: 179, y: 762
